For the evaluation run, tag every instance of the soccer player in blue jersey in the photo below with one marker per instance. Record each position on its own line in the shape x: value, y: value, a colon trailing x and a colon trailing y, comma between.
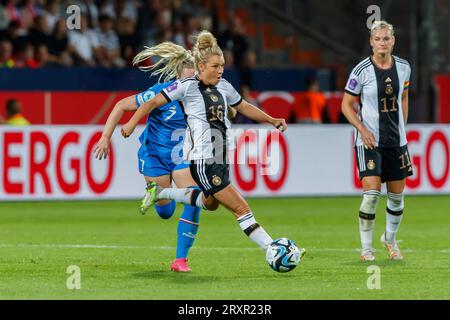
x: 158, y: 161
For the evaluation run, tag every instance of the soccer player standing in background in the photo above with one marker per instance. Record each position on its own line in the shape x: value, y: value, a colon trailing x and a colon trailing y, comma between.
x: 381, y: 82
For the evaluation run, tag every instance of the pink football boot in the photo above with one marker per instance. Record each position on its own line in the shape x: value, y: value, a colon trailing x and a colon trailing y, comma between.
x: 180, y: 265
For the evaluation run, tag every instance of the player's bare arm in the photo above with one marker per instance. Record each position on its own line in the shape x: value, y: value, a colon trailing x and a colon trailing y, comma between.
x: 254, y: 113
x: 101, y: 150
x: 156, y: 102
x: 347, y: 109
x: 405, y: 106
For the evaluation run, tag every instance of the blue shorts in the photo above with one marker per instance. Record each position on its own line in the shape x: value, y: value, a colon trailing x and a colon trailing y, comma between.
x: 155, y: 166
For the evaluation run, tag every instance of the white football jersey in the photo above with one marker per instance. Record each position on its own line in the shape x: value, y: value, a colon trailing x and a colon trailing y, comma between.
x: 206, y: 108
x: 380, y: 92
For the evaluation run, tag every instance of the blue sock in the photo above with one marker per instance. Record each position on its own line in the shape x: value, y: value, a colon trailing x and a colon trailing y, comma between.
x: 167, y: 210
x: 187, y: 229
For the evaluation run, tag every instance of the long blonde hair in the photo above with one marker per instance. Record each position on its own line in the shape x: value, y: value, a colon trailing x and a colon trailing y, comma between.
x: 174, y: 59
x: 205, y: 46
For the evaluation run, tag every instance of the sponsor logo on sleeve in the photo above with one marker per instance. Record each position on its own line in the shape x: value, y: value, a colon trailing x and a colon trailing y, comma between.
x: 172, y: 87
x: 352, y: 84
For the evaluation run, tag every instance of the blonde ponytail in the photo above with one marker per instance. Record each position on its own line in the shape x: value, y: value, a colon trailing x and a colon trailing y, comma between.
x: 205, y: 46
x: 173, y: 59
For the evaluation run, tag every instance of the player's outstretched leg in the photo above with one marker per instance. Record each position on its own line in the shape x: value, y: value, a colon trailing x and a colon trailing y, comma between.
x: 233, y: 201
x: 190, y: 196
x: 149, y: 198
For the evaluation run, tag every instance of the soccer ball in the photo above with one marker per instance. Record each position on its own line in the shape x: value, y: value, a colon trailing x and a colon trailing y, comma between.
x: 283, y: 255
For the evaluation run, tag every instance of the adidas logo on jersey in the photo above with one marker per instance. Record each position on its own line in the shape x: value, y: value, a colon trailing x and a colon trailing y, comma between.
x: 388, y: 80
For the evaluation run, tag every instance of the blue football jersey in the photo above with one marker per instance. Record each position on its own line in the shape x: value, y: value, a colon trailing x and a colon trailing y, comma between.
x: 162, y: 123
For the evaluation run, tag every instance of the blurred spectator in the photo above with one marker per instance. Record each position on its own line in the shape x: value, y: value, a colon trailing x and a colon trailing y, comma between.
x: 145, y: 23
x: 229, y: 60
x: 28, y: 13
x: 132, y: 24
x: 39, y: 33
x: 12, y: 11
x: 196, y: 9
x: 42, y: 57
x: 83, y: 44
x: 58, y: 48
x: 90, y: 10
x: 246, y: 67
x: 13, y: 114
x: 109, y: 45
x: 4, y: 17
x: 117, y: 9
x: 129, y: 41
x: 12, y: 34
x: 185, y: 30
x: 312, y: 104
x: 233, y: 39
x: 161, y: 30
x: 178, y: 36
x: 6, y: 54
x: 164, y: 35
x: 52, y: 14
x: 24, y: 57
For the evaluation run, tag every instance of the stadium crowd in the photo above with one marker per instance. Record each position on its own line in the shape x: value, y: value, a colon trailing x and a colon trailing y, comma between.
x: 38, y: 34
x: 35, y: 33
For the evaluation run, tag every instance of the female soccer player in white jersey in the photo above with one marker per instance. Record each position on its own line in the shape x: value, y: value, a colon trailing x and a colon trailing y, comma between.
x: 206, y: 98
x: 155, y: 161
x: 381, y: 82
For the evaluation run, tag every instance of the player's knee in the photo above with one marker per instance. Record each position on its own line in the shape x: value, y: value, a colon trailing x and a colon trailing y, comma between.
x: 211, y: 204
x: 369, y: 203
x: 241, y: 209
x: 166, y: 211
x: 200, y: 201
x: 395, y: 202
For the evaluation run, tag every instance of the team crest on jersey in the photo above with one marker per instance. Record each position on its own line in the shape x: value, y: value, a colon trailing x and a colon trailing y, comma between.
x: 214, y: 98
x: 371, y: 164
x: 216, y: 180
x: 172, y: 87
x: 389, y: 90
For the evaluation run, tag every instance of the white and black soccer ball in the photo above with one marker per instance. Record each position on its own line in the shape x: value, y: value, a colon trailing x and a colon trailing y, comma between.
x: 283, y: 255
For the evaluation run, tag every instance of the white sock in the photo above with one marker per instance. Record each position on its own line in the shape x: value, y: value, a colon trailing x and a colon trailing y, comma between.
x: 392, y: 225
x: 254, y: 231
x: 394, y: 215
x: 366, y: 233
x: 367, y: 218
x: 179, y: 195
x: 183, y: 195
x: 199, y: 202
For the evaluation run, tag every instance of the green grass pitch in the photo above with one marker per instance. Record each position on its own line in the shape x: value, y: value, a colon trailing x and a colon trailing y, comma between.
x: 123, y: 255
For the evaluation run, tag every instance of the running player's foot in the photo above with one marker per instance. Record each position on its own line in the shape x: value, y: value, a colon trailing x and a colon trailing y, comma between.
x: 393, y: 249
x: 150, y: 197
x: 180, y: 265
x: 367, y: 255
